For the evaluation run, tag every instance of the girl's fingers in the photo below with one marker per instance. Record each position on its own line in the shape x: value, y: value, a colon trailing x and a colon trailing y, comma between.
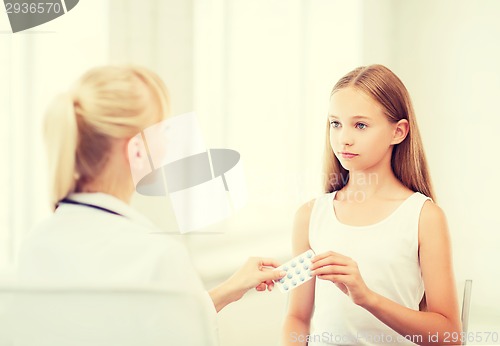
x: 321, y: 256
x: 327, y: 254
x: 337, y: 279
x: 330, y: 260
x: 331, y: 270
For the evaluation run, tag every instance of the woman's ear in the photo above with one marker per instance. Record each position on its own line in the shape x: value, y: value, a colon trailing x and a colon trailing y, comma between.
x: 400, y: 131
x: 136, y: 153
x: 138, y: 158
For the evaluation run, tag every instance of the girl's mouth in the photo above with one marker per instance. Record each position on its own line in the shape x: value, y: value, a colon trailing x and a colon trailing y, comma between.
x: 347, y: 155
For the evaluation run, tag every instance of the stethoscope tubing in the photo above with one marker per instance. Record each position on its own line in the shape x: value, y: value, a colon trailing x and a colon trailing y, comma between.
x: 69, y: 201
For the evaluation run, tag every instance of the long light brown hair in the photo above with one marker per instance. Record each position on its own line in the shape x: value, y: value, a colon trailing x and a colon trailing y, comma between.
x: 108, y: 102
x: 408, y: 160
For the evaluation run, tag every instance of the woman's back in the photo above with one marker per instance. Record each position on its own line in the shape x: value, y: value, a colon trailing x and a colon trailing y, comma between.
x: 82, y: 244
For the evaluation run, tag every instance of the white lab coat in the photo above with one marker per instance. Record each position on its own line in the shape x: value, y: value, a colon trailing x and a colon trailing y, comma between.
x: 82, y: 245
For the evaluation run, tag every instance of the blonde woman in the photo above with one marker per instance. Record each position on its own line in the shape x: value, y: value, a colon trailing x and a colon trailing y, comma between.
x: 94, y: 235
x: 383, y: 261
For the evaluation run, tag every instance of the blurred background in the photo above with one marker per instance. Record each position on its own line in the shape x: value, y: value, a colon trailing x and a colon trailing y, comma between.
x: 259, y: 75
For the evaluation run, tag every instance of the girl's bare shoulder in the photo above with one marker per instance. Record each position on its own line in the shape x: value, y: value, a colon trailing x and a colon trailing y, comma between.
x: 303, y: 213
x: 432, y: 214
x: 432, y: 225
x: 300, y: 238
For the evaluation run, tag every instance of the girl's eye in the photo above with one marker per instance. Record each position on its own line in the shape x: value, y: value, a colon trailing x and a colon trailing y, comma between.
x: 334, y: 124
x: 361, y: 126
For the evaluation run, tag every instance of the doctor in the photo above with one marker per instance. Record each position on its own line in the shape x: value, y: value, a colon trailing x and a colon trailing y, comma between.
x: 94, y: 235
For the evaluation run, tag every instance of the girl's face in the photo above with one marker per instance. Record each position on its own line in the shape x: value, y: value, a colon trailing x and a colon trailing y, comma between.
x: 361, y: 136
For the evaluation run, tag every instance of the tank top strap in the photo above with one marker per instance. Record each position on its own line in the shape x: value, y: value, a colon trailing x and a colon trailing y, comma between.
x: 320, y: 217
x: 323, y: 204
x: 412, y: 207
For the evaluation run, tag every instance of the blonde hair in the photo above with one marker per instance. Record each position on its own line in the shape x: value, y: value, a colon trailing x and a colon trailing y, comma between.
x: 408, y: 158
x: 106, y: 103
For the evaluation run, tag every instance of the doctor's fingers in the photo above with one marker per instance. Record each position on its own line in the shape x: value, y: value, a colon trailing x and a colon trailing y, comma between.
x: 261, y: 287
x: 268, y: 275
x: 269, y: 285
x: 265, y: 262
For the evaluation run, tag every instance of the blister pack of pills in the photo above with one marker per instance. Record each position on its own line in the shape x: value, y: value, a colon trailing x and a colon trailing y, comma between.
x: 298, y: 271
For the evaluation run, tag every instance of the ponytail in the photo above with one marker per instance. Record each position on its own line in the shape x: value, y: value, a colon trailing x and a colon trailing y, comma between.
x: 61, y: 138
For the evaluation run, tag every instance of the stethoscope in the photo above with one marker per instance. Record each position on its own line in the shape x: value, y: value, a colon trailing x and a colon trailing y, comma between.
x: 69, y: 201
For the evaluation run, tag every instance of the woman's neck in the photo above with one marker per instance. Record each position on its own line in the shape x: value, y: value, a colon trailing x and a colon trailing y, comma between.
x: 120, y: 194
x: 123, y: 194
x: 116, y: 184
x: 115, y: 179
x: 377, y: 181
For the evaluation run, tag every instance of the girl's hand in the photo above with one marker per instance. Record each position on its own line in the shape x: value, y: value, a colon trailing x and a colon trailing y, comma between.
x: 344, y: 273
x: 256, y: 273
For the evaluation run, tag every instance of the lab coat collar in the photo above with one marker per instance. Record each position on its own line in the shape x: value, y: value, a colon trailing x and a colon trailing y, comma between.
x: 112, y: 203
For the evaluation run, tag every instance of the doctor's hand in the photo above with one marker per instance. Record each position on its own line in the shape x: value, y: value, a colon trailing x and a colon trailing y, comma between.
x: 344, y: 273
x: 256, y: 273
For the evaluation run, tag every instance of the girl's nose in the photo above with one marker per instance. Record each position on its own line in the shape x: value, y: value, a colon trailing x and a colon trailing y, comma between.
x: 345, y: 137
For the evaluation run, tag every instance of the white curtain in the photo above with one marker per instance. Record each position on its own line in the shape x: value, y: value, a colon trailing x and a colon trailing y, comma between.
x: 34, y: 66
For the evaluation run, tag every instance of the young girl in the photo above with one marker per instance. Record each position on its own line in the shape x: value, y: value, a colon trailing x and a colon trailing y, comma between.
x: 383, y: 261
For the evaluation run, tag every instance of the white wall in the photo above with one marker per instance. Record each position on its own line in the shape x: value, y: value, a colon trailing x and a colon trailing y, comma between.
x: 448, y: 52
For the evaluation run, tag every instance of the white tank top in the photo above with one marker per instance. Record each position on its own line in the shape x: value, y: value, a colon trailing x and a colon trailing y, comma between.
x: 387, y: 256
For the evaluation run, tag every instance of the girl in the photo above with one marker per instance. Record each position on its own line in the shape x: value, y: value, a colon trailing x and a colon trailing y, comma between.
x: 94, y: 235
x: 383, y: 266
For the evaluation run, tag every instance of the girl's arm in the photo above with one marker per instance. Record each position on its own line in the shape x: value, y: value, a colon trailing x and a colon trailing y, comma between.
x: 442, y: 316
x: 301, y: 299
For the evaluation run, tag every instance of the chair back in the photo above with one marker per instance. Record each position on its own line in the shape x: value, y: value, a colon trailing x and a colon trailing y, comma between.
x: 103, y: 316
x: 466, y: 309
